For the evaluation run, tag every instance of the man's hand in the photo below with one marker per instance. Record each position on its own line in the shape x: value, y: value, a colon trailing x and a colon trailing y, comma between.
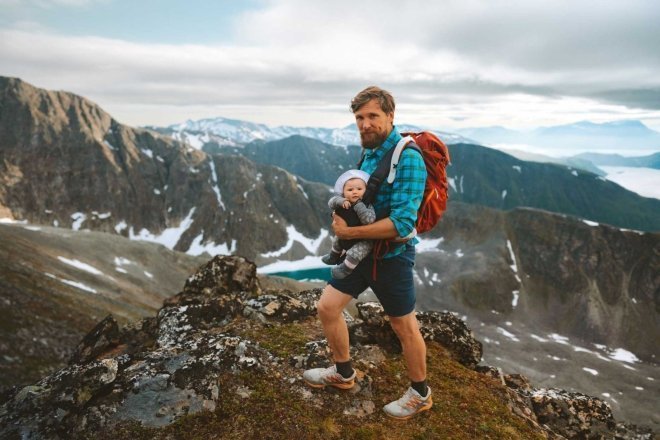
x: 340, y: 227
x: 383, y: 228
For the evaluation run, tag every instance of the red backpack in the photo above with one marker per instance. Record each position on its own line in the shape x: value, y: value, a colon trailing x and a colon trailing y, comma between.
x: 436, y: 158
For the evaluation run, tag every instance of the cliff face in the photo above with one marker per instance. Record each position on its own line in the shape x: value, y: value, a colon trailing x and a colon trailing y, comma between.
x: 492, y: 178
x: 593, y: 282
x: 603, y: 285
x: 65, y: 162
x: 225, y: 358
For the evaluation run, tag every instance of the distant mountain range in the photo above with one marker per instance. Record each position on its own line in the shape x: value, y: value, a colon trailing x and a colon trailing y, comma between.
x: 208, y: 134
x: 619, y: 136
x: 573, y: 162
x: 483, y: 176
x: 217, y: 135
x: 616, y: 160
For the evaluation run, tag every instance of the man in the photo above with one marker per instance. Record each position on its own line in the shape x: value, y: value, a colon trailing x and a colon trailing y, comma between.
x: 396, y: 208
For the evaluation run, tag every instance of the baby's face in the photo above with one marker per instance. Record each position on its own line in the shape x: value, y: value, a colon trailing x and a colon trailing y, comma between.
x: 354, y: 189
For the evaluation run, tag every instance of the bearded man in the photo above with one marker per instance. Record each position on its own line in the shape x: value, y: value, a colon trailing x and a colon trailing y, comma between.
x: 396, y: 206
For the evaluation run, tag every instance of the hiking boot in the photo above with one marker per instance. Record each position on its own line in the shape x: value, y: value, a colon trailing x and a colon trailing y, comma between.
x: 322, y: 377
x: 410, y: 404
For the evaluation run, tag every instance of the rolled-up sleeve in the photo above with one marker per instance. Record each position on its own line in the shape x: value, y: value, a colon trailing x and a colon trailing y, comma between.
x: 407, y: 191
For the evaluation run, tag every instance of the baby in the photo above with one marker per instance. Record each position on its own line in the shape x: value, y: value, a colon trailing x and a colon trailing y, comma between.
x: 347, y: 204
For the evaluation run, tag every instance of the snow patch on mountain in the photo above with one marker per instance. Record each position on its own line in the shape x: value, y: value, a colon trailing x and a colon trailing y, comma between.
x: 232, y: 132
x: 169, y: 237
x: 311, y: 244
x: 76, y: 284
x: 80, y: 265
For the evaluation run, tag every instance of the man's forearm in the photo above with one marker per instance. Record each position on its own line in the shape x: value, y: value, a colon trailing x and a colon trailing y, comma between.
x: 382, y: 229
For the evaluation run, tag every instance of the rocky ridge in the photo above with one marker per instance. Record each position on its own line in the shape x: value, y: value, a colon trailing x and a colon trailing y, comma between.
x: 580, y: 279
x: 65, y: 162
x: 224, y: 346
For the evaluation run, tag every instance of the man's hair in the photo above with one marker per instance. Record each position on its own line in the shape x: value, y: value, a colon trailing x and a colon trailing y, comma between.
x: 384, y: 98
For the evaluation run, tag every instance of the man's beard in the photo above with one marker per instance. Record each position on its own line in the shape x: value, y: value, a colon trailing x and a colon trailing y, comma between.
x: 372, y: 140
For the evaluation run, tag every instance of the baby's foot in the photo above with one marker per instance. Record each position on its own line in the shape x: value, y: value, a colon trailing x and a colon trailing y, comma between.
x: 340, y: 271
x: 331, y: 259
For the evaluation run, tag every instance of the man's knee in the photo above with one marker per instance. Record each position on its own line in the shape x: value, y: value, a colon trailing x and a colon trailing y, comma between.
x: 326, y: 310
x: 405, y: 326
x: 332, y: 303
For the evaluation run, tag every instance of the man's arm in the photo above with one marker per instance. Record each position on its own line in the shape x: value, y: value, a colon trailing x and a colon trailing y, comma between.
x: 407, y: 193
x: 382, y: 229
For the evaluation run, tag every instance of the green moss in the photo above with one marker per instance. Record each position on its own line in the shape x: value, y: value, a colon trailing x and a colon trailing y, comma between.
x: 281, y: 340
x: 467, y: 405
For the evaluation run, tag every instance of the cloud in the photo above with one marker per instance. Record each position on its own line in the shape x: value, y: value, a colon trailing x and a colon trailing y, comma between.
x: 435, y: 56
x: 648, y: 98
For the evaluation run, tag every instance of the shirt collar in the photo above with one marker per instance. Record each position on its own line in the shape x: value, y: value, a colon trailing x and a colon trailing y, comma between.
x: 392, y: 139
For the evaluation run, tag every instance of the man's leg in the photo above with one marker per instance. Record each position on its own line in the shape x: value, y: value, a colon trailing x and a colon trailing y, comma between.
x: 330, y: 309
x: 414, y: 348
x: 418, y: 397
x: 340, y: 375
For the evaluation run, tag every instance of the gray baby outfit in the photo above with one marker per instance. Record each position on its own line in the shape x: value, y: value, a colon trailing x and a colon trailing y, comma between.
x: 360, y: 249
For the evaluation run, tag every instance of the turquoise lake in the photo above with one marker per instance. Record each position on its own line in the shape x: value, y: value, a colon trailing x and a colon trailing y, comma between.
x: 321, y: 273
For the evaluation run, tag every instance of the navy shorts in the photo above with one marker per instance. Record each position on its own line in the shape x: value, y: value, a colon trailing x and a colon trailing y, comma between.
x: 394, y: 284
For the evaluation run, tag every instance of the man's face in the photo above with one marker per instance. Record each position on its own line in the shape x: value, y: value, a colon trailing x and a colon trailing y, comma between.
x: 374, y: 124
x: 354, y: 190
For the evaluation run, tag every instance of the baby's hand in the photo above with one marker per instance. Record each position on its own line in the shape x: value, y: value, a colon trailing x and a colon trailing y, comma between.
x: 346, y: 204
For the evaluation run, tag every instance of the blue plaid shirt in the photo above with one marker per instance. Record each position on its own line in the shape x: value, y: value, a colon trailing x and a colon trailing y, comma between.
x: 400, y: 200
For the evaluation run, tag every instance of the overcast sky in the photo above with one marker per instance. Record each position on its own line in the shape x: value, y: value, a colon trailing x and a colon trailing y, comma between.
x: 449, y: 64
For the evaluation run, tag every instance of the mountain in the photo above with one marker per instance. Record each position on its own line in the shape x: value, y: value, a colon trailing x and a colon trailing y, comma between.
x: 492, y: 178
x: 309, y: 158
x: 577, y: 162
x: 484, y: 176
x: 57, y: 283
x: 65, y: 162
x: 223, y: 359
x: 211, y: 134
x: 550, y: 296
x: 630, y: 129
x: 619, y: 136
x: 581, y: 279
x: 616, y: 160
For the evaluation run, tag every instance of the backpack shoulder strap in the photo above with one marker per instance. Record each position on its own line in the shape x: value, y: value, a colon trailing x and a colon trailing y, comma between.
x: 396, y: 156
x: 359, y: 164
x: 386, y: 169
